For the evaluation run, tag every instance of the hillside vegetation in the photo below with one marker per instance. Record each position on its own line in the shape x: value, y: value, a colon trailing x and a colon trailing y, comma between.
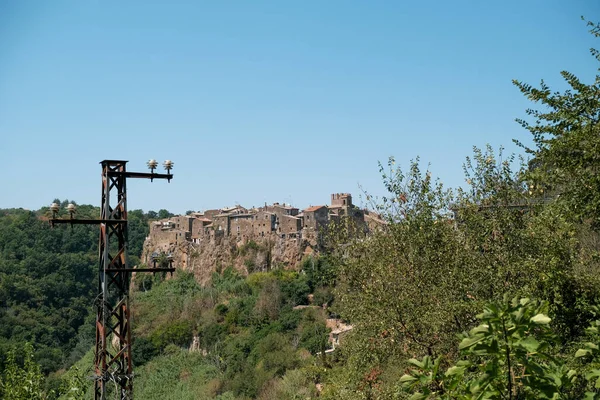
x: 48, y: 279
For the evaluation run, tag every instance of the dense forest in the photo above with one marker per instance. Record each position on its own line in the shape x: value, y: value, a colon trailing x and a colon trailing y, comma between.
x: 48, y: 279
x: 489, y: 291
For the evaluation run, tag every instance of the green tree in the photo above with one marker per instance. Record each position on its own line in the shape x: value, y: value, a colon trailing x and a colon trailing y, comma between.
x: 411, y: 287
x: 162, y: 214
x: 566, y: 142
x: 48, y: 283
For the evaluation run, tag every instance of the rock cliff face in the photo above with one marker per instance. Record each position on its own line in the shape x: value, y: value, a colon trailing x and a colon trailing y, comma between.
x: 217, y: 253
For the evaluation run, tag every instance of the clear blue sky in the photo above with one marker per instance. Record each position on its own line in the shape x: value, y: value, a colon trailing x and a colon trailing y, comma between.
x: 266, y: 100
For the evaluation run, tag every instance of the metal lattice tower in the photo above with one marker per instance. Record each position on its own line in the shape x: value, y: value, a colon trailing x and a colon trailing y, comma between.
x: 113, y: 366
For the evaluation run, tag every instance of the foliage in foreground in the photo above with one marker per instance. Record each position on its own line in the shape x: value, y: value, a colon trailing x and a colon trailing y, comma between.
x: 518, y: 229
x: 20, y: 383
x: 507, y: 356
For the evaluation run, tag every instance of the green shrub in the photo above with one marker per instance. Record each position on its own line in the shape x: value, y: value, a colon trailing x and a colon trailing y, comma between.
x: 323, y: 295
x: 211, y: 333
x: 178, y: 376
x: 250, y: 265
x: 268, y: 302
x: 319, y: 271
x: 22, y: 383
x: 294, y: 385
x: 229, y: 281
x: 313, y: 336
x: 295, y: 291
x: 178, y: 333
x: 144, y: 281
x: 274, y: 353
x: 506, y: 356
x: 221, y: 309
x: 250, y: 246
x: 143, y: 350
x: 289, y: 318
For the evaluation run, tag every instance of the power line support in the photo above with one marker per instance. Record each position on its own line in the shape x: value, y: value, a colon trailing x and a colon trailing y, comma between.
x: 113, y: 366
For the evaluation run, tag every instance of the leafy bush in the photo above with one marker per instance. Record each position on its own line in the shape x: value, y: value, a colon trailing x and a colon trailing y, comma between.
x: 143, y: 350
x: 295, y: 291
x: 180, y: 375
x: 323, y: 295
x: 320, y: 271
x: 295, y: 384
x: 22, y: 383
x: 275, y: 354
x: 229, y: 281
x: 313, y: 333
x: 250, y: 246
x: 507, y: 356
x: 178, y: 333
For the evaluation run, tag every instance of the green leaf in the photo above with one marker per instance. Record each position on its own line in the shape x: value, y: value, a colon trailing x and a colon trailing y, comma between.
x: 455, y: 371
x: 582, y: 353
x: 418, y: 396
x: 483, y: 328
x: 591, y: 345
x: 407, y: 378
x: 589, y: 396
x: 541, y: 319
x: 469, y: 342
x: 530, y: 344
x: 416, y: 363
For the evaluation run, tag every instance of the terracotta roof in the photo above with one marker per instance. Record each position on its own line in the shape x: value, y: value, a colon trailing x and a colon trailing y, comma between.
x: 313, y: 208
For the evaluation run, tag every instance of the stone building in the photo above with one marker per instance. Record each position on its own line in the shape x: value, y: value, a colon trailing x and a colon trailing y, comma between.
x: 276, y: 221
x: 264, y: 223
x: 315, y: 219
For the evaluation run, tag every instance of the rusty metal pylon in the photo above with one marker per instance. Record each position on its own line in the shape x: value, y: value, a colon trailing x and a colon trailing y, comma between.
x: 113, y: 366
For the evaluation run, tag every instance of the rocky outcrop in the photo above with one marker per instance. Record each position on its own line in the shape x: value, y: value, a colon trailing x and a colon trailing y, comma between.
x: 219, y: 252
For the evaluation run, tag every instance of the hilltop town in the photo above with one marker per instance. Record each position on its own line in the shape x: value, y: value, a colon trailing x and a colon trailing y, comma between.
x: 211, y: 236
